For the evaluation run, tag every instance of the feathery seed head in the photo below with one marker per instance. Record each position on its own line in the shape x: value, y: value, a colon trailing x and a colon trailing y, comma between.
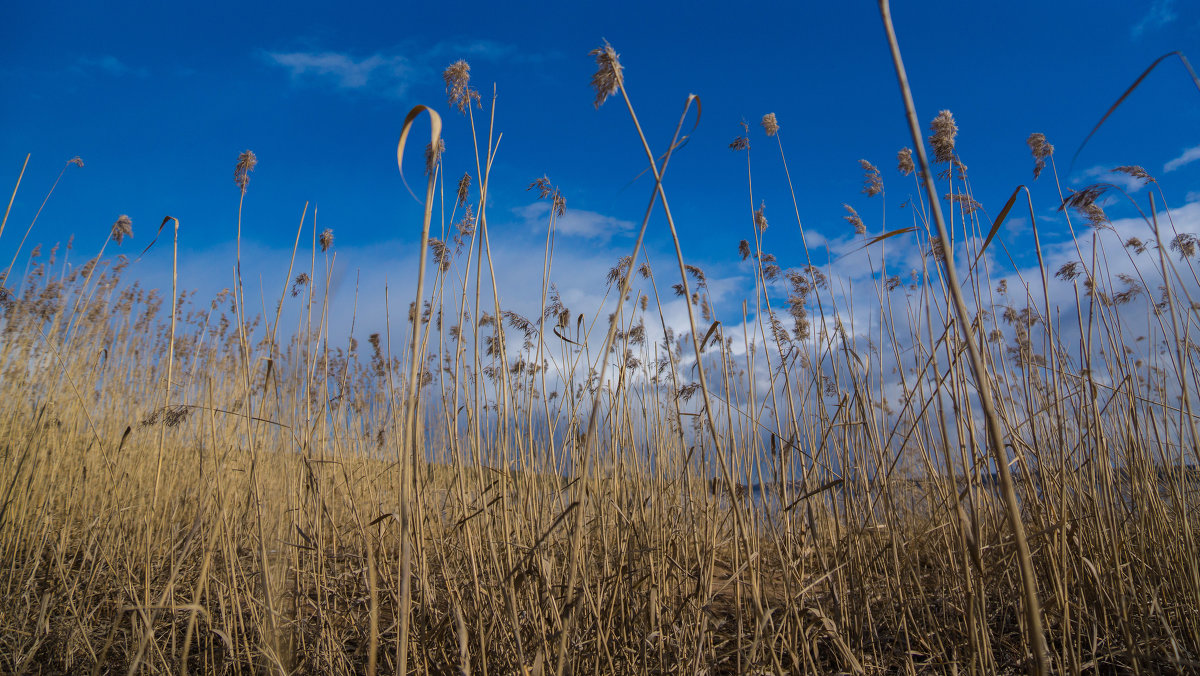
x: 1136, y: 244
x: 944, y: 132
x: 121, y: 228
x: 465, y: 227
x: 608, y: 78
x: 872, y: 182
x: 744, y: 249
x: 543, y: 187
x: 1070, y: 271
x: 969, y: 204
x: 1185, y: 244
x: 904, y: 161
x: 433, y: 155
x: 1135, y: 171
x: 760, y: 219
x: 1041, y: 150
x: 854, y: 220
x: 1038, y: 145
x: 458, y: 85
x: 77, y: 161
x: 241, y: 171
x: 464, y: 184
x: 740, y: 143
x: 558, y: 203
x: 302, y: 281
x: 326, y: 239
x: 770, y: 124
x: 1084, y: 202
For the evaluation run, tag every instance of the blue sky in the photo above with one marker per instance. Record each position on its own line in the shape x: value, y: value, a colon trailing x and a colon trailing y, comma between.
x: 158, y: 100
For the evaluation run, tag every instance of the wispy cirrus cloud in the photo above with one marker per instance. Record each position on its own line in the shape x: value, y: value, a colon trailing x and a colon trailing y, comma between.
x: 1190, y: 155
x: 389, y: 72
x: 378, y: 73
x: 1160, y: 14
x: 487, y: 50
x: 465, y: 49
x: 574, y: 222
x: 107, y: 64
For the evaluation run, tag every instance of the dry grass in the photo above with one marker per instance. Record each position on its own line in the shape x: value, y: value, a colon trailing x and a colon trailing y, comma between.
x: 188, y: 492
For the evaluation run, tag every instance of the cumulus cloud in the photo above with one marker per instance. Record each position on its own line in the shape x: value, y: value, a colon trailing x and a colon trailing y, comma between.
x: 575, y: 222
x: 378, y: 73
x: 1190, y: 155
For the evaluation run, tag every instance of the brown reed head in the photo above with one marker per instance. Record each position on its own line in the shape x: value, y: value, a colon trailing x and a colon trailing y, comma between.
x: 608, y: 76
x: 241, y: 171
x: 944, y: 132
x: 433, y: 155
x: 872, y: 181
x: 904, y: 161
x: 464, y: 185
x: 770, y: 124
x: 1041, y: 150
x: 853, y: 219
x: 121, y: 228
x: 760, y: 218
x: 458, y: 86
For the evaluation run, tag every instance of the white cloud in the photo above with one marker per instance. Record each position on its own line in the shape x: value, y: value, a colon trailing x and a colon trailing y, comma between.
x: 380, y: 73
x: 1161, y: 13
x: 1190, y: 155
x: 574, y: 222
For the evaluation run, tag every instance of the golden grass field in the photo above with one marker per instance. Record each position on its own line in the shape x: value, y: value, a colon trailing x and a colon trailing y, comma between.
x: 186, y: 486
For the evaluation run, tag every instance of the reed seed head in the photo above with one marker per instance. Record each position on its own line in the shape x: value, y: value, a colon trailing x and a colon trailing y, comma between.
x: 241, y: 171
x: 904, y: 161
x: 760, y: 218
x: 853, y: 219
x: 1185, y: 244
x: 770, y: 124
x: 326, y: 239
x: 542, y: 186
x: 1084, y: 202
x: 433, y: 155
x: 1136, y: 244
x: 77, y: 161
x: 302, y: 281
x: 1038, y: 145
x: 944, y: 132
x: 872, y: 181
x: 121, y: 228
x: 458, y: 86
x: 608, y: 77
x: 1135, y: 171
x: 1041, y: 150
x: 464, y: 185
x: 1070, y: 271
